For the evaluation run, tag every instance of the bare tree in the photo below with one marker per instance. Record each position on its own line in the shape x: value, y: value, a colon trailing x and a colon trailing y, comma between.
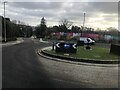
x: 65, y: 23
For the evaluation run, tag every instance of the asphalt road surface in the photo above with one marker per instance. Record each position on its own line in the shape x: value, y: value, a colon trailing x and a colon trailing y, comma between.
x: 23, y: 68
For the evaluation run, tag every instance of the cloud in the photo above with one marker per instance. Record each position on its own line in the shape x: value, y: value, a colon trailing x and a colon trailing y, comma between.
x: 36, y: 5
x: 105, y: 7
x: 32, y: 12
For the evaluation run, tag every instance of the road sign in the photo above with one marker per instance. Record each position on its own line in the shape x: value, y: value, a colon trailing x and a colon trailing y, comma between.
x: 66, y: 47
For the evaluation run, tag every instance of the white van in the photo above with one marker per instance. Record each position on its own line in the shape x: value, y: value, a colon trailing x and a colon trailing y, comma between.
x: 86, y: 41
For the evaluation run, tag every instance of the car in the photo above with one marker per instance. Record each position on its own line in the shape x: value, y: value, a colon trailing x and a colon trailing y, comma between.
x: 85, y: 41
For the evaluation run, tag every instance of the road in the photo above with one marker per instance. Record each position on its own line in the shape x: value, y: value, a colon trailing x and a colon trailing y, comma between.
x: 23, y: 68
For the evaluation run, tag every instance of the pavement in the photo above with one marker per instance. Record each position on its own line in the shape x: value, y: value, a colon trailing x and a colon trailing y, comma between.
x: 18, y: 41
x: 43, y: 41
x: 22, y: 67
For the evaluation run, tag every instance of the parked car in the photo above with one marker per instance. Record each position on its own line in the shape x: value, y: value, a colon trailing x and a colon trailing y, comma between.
x: 85, y: 41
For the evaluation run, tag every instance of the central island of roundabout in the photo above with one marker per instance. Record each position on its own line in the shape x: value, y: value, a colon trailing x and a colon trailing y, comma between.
x: 79, y: 53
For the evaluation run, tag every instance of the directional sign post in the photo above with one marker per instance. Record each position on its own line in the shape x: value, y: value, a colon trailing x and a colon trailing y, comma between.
x: 53, y: 46
x: 62, y: 47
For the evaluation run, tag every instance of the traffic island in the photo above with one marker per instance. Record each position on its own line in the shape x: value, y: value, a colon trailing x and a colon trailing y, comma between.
x: 95, y: 55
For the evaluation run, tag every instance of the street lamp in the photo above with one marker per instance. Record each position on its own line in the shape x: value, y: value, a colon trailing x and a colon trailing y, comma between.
x: 83, y: 23
x: 4, y: 21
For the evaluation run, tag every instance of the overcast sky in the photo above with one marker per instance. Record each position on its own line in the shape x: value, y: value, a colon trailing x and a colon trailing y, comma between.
x: 98, y: 14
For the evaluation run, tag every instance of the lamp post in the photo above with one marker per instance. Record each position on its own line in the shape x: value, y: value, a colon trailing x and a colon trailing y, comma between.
x: 4, y: 21
x: 83, y: 24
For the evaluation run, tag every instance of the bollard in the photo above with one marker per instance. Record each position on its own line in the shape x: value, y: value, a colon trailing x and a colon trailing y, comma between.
x: 53, y: 46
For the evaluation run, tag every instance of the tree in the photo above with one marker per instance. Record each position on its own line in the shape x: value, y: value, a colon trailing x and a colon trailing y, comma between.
x: 62, y: 28
x: 10, y: 30
x: 43, y: 28
x: 75, y: 29
x: 64, y: 24
x: 37, y: 31
x: 55, y: 28
x: 112, y: 31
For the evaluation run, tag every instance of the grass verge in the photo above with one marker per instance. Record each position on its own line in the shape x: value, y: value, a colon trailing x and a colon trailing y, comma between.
x: 97, y: 53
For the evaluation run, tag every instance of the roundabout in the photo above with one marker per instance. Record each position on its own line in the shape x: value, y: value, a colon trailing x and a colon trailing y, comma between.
x: 47, y: 52
x: 91, y: 75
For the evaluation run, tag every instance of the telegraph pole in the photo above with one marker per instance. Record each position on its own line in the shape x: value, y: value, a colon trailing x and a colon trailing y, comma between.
x: 4, y: 21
